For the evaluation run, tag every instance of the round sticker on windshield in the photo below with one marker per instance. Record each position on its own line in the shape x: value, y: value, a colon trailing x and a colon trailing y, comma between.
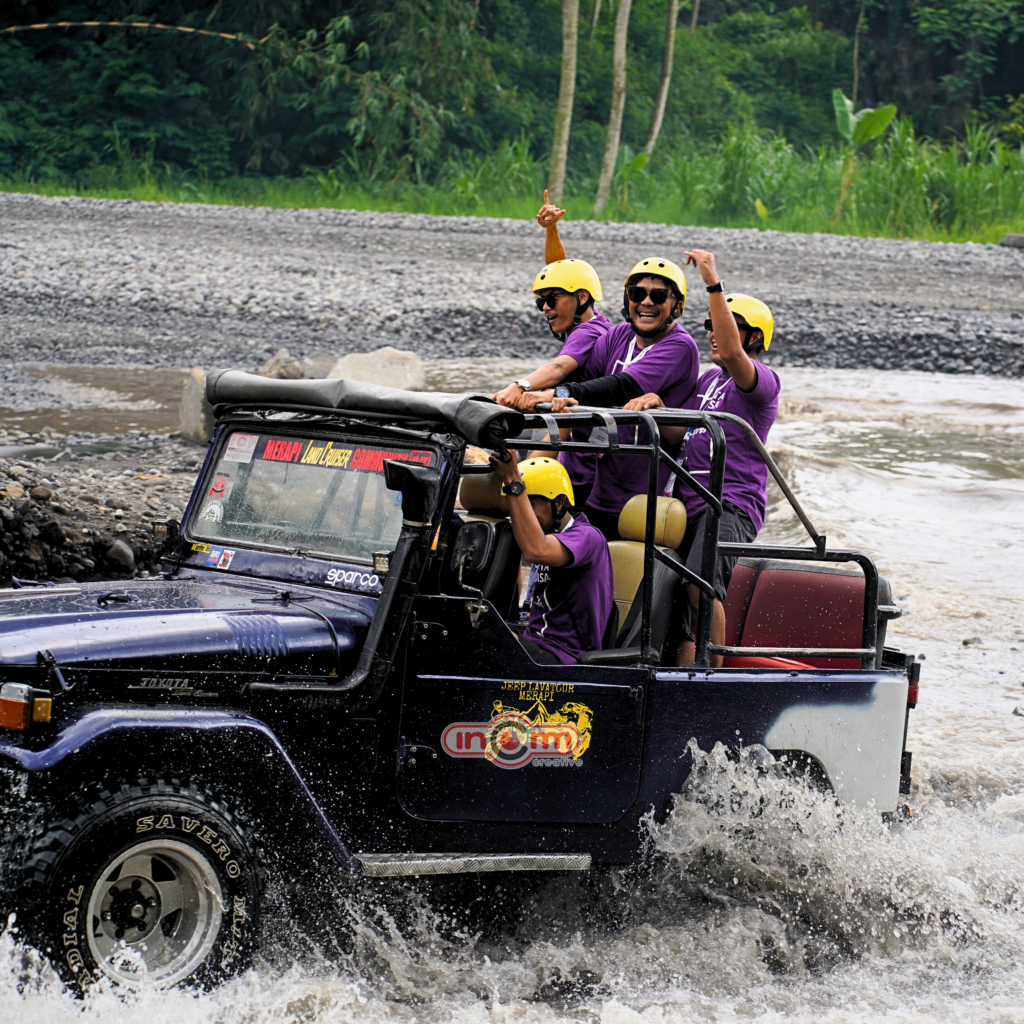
x: 212, y: 513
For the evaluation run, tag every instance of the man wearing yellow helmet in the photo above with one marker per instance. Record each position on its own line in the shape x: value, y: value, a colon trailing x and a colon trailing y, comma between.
x: 649, y: 354
x: 566, y: 291
x: 571, y: 590
x: 739, y: 328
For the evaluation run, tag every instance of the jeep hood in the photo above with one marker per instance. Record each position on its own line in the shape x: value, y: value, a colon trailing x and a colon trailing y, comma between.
x: 200, y: 622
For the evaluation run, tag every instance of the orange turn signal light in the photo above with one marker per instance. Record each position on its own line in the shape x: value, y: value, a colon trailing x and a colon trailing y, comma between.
x: 19, y: 706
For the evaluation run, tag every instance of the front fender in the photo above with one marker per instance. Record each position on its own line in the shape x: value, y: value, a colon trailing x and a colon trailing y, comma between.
x: 141, y: 737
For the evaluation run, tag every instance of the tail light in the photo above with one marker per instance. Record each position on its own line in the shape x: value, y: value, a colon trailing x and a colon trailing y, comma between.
x: 20, y: 705
x: 914, y: 675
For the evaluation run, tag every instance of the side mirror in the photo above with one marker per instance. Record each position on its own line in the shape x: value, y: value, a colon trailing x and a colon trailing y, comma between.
x: 420, y: 487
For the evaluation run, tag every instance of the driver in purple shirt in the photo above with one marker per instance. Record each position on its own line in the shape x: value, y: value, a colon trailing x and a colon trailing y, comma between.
x: 739, y: 329
x: 571, y: 590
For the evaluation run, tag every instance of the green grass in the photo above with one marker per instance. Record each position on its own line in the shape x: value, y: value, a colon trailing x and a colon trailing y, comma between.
x: 969, y: 190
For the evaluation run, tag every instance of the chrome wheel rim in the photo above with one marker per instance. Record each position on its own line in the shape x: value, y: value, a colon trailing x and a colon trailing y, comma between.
x: 154, y: 912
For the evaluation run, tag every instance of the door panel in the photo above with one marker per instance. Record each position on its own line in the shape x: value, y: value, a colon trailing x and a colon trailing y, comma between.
x: 505, y: 750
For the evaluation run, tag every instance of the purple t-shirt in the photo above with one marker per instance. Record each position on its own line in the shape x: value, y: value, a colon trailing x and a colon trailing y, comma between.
x: 571, y: 604
x: 579, y: 465
x: 669, y: 368
x: 746, y: 476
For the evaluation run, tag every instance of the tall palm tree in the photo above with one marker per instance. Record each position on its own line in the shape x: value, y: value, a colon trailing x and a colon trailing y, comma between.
x: 566, y: 92
x: 611, y: 149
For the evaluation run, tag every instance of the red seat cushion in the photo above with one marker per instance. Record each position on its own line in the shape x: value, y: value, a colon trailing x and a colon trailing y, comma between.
x: 737, y: 597
x: 805, y: 608
x: 745, y: 661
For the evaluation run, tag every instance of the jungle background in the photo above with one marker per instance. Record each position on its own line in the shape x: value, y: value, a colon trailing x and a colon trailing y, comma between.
x: 448, y: 106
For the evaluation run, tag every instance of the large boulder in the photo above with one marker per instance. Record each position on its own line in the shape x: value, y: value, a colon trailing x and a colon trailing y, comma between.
x: 281, y: 366
x: 196, y: 413
x: 389, y: 367
x: 318, y: 365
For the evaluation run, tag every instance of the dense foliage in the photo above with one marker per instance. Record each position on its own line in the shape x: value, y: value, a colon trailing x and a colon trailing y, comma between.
x: 449, y: 103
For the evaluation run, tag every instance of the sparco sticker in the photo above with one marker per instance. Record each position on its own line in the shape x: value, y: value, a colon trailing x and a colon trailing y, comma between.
x: 512, y: 738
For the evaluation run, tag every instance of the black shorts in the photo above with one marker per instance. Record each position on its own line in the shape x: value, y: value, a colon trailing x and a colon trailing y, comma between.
x: 541, y: 655
x: 606, y: 522
x: 734, y: 527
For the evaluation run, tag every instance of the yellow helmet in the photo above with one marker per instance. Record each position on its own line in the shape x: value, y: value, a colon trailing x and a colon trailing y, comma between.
x: 571, y: 276
x: 656, y: 266
x: 546, y: 478
x: 755, y: 312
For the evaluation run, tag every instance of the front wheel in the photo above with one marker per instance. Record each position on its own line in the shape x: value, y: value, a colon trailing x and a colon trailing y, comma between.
x: 155, y: 880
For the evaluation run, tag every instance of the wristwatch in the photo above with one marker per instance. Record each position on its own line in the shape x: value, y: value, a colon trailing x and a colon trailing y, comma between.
x: 561, y: 392
x: 719, y: 287
x: 524, y: 384
x: 515, y: 488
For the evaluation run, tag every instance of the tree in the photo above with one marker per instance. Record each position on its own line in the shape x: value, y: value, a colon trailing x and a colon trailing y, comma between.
x: 566, y: 92
x: 611, y: 149
x: 857, y: 129
x: 671, y: 17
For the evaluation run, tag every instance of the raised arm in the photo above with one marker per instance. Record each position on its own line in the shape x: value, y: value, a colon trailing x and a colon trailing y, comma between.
x: 548, y: 217
x: 723, y: 325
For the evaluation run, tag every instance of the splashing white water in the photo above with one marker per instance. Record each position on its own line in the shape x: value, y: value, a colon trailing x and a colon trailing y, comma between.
x: 763, y: 901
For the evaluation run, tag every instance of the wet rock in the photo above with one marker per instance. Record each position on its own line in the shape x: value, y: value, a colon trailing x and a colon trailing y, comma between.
x: 121, y: 555
x: 40, y: 494
x: 1012, y: 241
x: 389, y: 367
x: 282, y: 366
x: 195, y: 419
x: 13, y: 491
x: 1018, y: 711
x: 318, y: 365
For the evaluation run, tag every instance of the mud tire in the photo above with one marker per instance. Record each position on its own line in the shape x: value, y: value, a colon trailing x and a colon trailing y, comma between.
x: 163, y: 867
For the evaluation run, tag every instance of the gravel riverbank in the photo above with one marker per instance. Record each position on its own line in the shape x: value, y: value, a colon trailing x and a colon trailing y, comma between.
x: 147, y: 284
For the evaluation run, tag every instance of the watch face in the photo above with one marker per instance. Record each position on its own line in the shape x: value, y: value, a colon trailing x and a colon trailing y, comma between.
x: 561, y: 392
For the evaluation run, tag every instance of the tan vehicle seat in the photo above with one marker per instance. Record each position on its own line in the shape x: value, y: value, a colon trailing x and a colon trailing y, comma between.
x: 628, y: 567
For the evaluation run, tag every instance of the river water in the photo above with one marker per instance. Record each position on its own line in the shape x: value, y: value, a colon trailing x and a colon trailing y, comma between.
x: 765, y: 903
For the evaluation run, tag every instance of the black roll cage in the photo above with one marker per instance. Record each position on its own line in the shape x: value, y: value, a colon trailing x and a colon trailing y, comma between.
x: 413, y: 426
x: 614, y: 419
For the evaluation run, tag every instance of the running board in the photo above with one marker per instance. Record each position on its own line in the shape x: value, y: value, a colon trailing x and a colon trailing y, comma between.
x: 391, y: 865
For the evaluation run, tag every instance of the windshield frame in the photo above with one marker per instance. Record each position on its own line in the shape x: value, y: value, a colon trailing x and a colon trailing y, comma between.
x: 297, y: 430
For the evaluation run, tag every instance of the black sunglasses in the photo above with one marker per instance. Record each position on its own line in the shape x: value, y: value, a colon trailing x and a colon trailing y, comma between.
x: 709, y: 327
x: 549, y: 300
x: 637, y: 294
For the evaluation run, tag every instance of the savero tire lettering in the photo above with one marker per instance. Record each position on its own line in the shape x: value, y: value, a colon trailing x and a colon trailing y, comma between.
x: 511, y: 739
x: 183, y: 823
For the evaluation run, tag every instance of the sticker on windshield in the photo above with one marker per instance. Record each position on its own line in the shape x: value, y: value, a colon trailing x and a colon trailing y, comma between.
x: 224, y: 562
x: 240, y: 447
x: 512, y: 739
x: 220, y: 488
x: 212, y: 513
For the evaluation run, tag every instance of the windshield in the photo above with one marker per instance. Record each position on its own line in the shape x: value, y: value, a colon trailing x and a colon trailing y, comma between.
x: 303, y: 494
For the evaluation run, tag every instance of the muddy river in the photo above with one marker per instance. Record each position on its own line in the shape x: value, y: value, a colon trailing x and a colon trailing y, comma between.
x: 774, y: 907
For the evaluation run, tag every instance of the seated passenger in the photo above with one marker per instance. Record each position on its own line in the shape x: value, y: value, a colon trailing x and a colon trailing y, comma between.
x: 570, y: 590
x: 739, y: 329
x: 649, y: 354
x: 566, y: 291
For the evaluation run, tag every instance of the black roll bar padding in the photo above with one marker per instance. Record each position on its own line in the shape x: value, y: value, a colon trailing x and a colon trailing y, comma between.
x: 870, y: 629
x: 681, y: 474
x: 391, y: 615
x: 709, y: 556
x: 687, y: 574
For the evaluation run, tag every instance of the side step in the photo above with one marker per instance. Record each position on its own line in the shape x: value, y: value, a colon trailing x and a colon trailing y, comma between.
x: 391, y: 865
